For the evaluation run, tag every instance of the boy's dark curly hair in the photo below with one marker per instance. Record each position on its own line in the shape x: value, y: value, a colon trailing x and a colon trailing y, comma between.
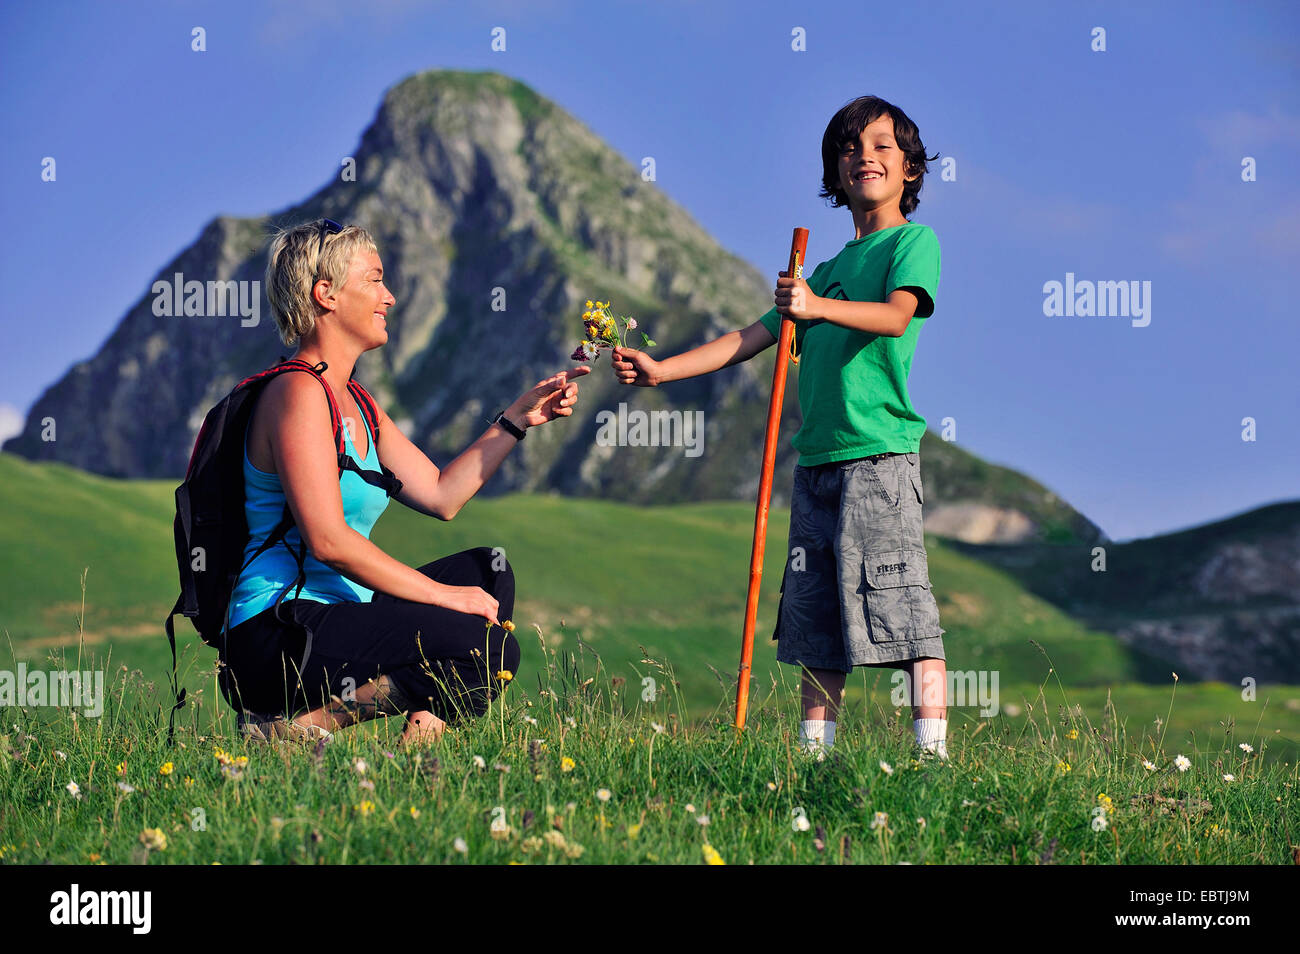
x: 847, y: 125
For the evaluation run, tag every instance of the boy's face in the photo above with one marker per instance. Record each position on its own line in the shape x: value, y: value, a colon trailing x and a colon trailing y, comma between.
x: 872, y: 172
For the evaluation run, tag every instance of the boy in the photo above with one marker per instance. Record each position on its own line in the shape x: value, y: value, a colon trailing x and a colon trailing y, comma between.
x: 856, y: 589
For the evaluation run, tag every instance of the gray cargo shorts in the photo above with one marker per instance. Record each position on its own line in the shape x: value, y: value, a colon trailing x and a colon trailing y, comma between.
x: 856, y: 588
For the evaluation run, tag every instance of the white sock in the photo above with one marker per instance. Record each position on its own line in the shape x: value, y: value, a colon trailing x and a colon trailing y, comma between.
x: 931, y: 733
x: 816, y: 736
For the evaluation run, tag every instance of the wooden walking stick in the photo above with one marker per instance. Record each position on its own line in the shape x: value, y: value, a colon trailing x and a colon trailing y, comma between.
x: 798, y: 247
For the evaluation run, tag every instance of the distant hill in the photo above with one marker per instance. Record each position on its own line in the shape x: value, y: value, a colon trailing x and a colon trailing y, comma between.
x: 1219, y: 601
x: 472, y: 182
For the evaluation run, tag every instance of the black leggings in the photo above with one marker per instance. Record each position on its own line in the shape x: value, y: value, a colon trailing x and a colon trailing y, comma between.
x: 437, y: 659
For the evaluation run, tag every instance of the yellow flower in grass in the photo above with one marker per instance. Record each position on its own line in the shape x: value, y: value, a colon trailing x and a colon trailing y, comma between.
x: 1072, y: 734
x: 567, y: 764
x: 1105, y: 802
x: 1064, y: 766
x: 508, y: 626
x: 365, y: 808
x: 711, y: 855
x: 154, y: 839
x: 166, y: 768
x: 588, y: 305
x: 633, y: 830
x: 505, y: 675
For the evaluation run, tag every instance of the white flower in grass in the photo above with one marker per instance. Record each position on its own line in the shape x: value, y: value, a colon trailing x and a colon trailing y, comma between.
x: 1183, y: 763
x: 1098, y: 822
x: 657, y: 726
x: 573, y: 723
x: 886, y: 767
x: 368, y: 785
x: 1229, y: 777
x: 530, y: 720
x: 879, y: 820
x: 480, y: 762
x: 126, y: 787
x: 921, y: 822
x: 73, y: 789
x: 631, y: 323
x: 1148, y: 765
x: 702, y: 819
x: 1246, y: 747
x: 459, y: 845
x: 800, y: 822
x: 359, y: 765
x: 63, y: 756
x: 690, y: 809
x: 603, y: 794
x: 966, y: 803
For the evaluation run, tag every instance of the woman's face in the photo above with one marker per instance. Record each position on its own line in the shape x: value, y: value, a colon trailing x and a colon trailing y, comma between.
x: 363, y: 302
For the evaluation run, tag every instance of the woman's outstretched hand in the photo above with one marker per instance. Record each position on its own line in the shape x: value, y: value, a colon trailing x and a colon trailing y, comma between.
x: 552, y: 398
x: 635, y: 367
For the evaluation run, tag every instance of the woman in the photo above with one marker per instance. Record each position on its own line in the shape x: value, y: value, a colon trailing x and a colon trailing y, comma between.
x: 366, y: 634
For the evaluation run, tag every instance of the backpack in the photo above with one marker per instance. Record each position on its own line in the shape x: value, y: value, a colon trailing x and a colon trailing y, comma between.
x: 211, y: 529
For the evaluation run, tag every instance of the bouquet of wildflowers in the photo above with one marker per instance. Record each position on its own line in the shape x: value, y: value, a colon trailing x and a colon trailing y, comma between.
x: 600, y: 330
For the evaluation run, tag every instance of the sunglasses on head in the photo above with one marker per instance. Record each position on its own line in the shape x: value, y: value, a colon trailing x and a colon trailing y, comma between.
x: 330, y: 226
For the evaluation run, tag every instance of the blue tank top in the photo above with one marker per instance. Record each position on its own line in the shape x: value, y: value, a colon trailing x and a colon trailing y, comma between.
x: 261, y: 582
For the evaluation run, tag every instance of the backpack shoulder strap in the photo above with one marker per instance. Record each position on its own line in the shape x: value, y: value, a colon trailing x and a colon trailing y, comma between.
x: 367, y: 404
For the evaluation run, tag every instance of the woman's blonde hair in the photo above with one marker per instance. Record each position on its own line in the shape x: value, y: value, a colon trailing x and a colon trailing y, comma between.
x: 292, y: 270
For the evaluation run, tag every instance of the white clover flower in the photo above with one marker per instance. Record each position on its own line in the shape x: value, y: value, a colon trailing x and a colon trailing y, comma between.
x: 603, y: 794
x: 1183, y: 763
x: 800, y: 822
x: 459, y: 845
x: 886, y: 767
x: 359, y: 765
x: 126, y: 787
x: 702, y: 819
x: 879, y: 820
x: 480, y: 762
x: 631, y: 322
x: 690, y: 809
x: 1099, y: 822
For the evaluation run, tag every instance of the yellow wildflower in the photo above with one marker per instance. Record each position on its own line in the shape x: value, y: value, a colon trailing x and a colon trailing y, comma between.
x: 588, y: 305
x: 166, y: 768
x: 154, y: 839
x: 415, y: 812
x: 1064, y: 766
x: 1072, y: 734
x: 567, y: 764
x: 633, y: 830
x: 366, y: 807
x: 711, y: 855
x: 508, y: 626
x: 505, y: 675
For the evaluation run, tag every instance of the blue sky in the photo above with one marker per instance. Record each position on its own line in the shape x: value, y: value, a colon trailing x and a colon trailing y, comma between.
x: 1122, y: 165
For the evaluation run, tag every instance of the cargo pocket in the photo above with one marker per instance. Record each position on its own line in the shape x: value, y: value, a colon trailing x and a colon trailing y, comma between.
x: 897, y: 583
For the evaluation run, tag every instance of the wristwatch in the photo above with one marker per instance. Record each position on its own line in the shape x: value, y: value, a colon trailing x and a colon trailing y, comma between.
x: 508, y: 425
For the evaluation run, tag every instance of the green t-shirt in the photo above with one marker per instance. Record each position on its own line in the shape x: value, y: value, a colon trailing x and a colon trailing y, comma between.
x: 852, y: 384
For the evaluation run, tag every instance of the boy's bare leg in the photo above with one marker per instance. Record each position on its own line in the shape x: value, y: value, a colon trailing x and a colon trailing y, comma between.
x: 929, y: 680
x: 821, y: 691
